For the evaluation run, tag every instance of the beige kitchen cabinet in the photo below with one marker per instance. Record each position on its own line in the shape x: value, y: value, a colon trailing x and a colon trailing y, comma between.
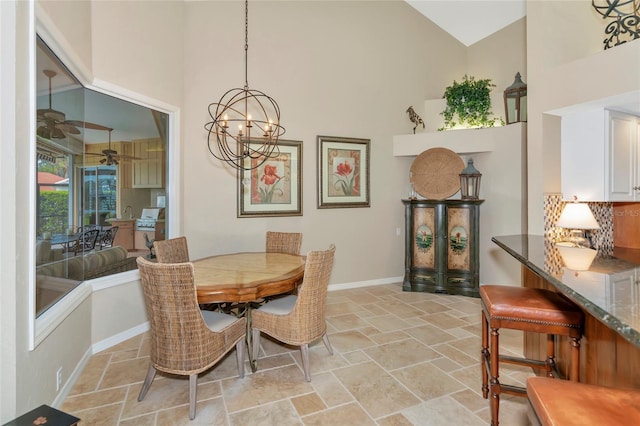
x: 124, y: 166
x: 148, y: 170
x: 599, y: 156
x: 125, y: 236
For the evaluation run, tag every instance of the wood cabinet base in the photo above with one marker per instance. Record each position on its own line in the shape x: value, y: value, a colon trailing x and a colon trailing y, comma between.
x: 606, y: 358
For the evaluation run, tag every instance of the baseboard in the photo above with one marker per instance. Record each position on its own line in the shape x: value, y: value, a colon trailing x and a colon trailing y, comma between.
x: 120, y: 337
x: 358, y: 284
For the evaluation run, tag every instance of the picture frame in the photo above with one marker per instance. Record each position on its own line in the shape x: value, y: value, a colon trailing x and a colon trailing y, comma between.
x: 274, y: 188
x: 343, y: 172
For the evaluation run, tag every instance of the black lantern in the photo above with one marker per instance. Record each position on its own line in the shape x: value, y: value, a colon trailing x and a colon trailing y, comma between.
x: 470, y: 182
x: 515, y: 101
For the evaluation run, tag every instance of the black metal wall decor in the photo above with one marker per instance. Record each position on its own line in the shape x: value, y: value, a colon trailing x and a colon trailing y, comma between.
x: 625, y: 20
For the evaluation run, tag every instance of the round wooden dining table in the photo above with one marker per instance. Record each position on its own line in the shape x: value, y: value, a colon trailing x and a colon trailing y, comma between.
x: 243, y: 278
x: 246, y: 277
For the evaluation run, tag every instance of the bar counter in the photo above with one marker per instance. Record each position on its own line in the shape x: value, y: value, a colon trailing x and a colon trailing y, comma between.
x: 608, y: 291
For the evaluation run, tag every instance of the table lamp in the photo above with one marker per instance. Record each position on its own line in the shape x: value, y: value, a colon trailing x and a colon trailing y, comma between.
x: 577, y: 217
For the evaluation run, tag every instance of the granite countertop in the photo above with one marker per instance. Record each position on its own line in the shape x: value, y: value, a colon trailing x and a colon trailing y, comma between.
x: 608, y: 288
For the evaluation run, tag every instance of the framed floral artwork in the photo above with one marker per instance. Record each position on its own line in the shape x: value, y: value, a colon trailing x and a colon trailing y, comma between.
x: 343, y: 172
x: 273, y: 188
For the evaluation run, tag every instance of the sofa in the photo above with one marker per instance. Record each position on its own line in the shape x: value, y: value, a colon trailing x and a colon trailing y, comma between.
x: 92, y: 265
x: 46, y: 254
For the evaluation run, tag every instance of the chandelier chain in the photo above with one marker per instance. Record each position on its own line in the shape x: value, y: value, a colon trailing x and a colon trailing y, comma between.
x: 246, y: 43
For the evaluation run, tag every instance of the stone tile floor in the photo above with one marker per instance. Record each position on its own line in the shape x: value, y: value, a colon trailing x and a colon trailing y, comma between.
x: 399, y: 359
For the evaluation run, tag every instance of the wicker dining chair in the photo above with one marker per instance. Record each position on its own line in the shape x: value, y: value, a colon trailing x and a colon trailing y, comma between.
x: 298, y: 319
x: 184, y: 340
x: 174, y: 250
x: 284, y: 242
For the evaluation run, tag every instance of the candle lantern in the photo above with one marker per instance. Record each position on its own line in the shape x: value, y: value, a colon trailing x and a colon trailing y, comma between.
x: 515, y: 101
x: 470, y: 182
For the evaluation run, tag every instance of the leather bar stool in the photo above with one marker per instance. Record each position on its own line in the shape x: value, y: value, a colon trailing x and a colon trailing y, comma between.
x: 529, y: 310
x: 565, y: 403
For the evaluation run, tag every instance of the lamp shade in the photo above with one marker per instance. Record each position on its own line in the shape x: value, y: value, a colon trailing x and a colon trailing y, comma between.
x: 576, y: 258
x: 577, y: 216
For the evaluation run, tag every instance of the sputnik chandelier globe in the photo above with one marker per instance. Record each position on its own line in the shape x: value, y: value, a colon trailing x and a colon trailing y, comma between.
x: 245, y: 124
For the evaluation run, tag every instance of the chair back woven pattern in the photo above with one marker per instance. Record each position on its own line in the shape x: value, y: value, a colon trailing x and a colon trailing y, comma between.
x: 174, y: 250
x: 181, y: 342
x: 306, y: 322
x: 284, y: 242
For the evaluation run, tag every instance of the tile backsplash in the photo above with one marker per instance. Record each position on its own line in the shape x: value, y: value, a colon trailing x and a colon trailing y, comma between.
x: 602, y: 238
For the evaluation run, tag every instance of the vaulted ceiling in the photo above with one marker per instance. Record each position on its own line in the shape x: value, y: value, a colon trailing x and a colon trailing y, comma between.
x: 469, y: 21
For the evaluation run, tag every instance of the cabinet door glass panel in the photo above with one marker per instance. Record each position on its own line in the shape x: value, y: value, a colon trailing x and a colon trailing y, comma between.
x: 424, y: 232
x: 459, y: 238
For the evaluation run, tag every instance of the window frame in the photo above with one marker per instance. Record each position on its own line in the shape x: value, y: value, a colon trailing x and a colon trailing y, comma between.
x: 41, y: 326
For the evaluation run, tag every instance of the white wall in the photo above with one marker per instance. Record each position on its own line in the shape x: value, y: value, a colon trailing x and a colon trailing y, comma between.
x: 10, y: 90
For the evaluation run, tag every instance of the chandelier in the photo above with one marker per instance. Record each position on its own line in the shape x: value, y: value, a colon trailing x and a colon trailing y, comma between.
x: 625, y: 24
x: 246, y: 122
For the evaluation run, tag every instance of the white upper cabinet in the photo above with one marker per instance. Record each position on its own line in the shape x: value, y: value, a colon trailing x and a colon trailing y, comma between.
x: 600, y: 156
x: 622, y: 135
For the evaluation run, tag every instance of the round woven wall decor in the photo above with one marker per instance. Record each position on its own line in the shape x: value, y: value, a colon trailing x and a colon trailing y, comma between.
x: 435, y: 174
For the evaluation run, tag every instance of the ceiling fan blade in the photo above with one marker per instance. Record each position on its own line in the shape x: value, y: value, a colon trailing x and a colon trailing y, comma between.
x: 68, y: 128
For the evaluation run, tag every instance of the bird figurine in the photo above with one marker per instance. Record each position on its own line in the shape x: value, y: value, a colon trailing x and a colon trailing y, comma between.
x: 414, y: 118
x: 149, y: 244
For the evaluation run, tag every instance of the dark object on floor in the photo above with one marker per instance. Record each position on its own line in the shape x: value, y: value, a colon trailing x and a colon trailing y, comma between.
x: 44, y: 415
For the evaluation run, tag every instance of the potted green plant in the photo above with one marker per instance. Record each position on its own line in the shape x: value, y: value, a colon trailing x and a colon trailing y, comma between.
x: 470, y: 103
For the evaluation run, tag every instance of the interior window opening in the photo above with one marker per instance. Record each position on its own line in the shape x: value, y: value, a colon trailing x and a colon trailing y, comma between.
x: 101, y: 170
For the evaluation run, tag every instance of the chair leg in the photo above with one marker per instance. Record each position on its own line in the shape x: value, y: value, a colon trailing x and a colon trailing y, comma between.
x: 304, y: 353
x: 240, y: 348
x: 151, y: 373
x: 327, y: 343
x: 193, y: 388
x: 255, y: 344
x: 495, y: 382
x: 484, y: 357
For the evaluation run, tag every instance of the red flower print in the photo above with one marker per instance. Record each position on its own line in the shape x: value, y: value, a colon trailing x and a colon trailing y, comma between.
x: 270, y: 175
x: 270, y: 178
x: 344, y: 169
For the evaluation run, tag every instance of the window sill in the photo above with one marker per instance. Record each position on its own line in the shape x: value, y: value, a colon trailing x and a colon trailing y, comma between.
x: 54, y: 316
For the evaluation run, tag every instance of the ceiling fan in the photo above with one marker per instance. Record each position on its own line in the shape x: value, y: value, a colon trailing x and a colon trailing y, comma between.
x: 111, y: 156
x: 53, y: 124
